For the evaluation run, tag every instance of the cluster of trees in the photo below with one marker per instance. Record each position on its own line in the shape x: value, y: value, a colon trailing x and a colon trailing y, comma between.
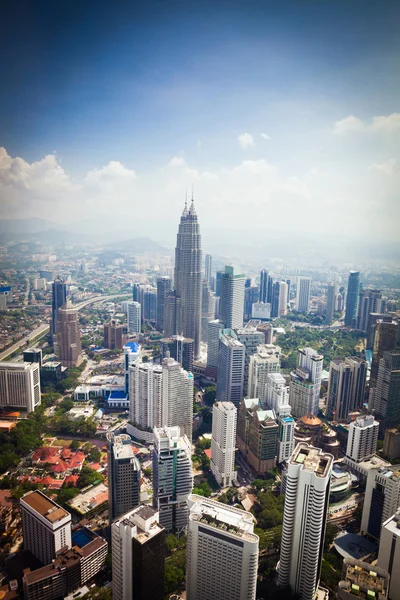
x: 175, y: 565
x: 69, y: 383
x: 23, y: 438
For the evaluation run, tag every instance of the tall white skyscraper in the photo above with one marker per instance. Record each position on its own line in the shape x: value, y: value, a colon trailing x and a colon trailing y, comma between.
x: 331, y: 299
x: 285, y: 438
x: 304, y: 519
x: 363, y: 438
x: 231, y: 361
x: 145, y: 394
x: 138, y: 555
x: 208, y: 268
x: 251, y: 340
x: 133, y: 316
x: 223, y: 443
x: 263, y: 362
x: 19, y: 385
x: 231, y: 304
x: 188, y: 276
x: 389, y: 553
x: 177, y: 397
x: 277, y: 394
x: 283, y: 298
x: 131, y: 355
x: 305, y: 383
x: 303, y: 294
x: 222, y: 552
x: 172, y: 477
x: 207, y: 309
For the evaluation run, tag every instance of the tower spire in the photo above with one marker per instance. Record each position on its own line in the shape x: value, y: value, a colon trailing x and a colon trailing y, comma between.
x: 185, y: 209
x: 192, y: 210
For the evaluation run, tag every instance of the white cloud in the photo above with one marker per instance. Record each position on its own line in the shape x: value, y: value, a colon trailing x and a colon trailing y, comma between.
x: 265, y: 136
x: 110, y: 174
x: 388, y: 167
x: 177, y: 161
x: 246, y: 140
x: 383, y: 124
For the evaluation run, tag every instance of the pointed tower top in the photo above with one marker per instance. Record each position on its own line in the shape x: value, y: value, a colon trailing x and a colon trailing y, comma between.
x: 185, y: 209
x: 192, y: 210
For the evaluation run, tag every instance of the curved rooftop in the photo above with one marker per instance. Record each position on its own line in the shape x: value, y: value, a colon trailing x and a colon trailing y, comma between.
x: 310, y: 420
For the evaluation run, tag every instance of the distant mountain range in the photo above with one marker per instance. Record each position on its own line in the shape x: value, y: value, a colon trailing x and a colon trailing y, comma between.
x: 50, y: 233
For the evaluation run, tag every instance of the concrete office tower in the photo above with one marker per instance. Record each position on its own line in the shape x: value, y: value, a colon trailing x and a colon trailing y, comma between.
x: 172, y: 478
x: 369, y: 301
x: 223, y: 443
x: 131, y: 355
x: 133, y: 317
x: 251, y: 340
x: 222, y: 552
x: 19, y: 386
x: 372, y: 321
x: 67, y: 347
x: 387, y: 393
x: 304, y: 519
x: 177, y: 397
x: 331, y: 300
x: 261, y: 311
x: 362, y: 439
x: 208, y: 268
x: 266, y: 360
x: 381, y: 500
x: 123, y: 475
x: 391, y: 443
x: 362, y: 581
x: 346, y: 387
x: 250, y: 299
x: 303, y: 294
x: 213, y: 330
x: 138, y: 555
x: 305, y: 383
x: 46, y: 527
x: 145, y: 394
x: 285, y: 438
x: 33, y: 355
x: 164, y: 286
x: 275, y: 296
x: 231, y: 303
x: 59, y: 298
x: 389, y: 553
x: 172, y: 315
x: 207, y: 309
x: 231, y: 359
x: 385, y: 340
x: 353, y: 291
x: 188, y: 275
x: 180, y: 349
x: 149, y: 304
x: 263, y: 294
x: 257, y: 435
x: 114, y: 337
x: 277, y: 394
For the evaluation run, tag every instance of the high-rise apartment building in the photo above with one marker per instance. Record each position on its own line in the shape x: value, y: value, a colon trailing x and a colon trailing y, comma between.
x: 46, y: 527
x: 138, y: 555
x: 389, y: 553
x: 385, y: 340
x: 172, y: 478
x: 145, y: 394
x: 353, y: 291
x: 304, y: 519
x: 222, y: 552
x: 346, y: 387
x: 59, y: 298
x: 285, y: 438
x: 381, y: 500
x: 305, y: 383
x: 114, y: 337
x: 177, y: 397
x: 257, y: 435
x: 131, y: 355
x: 213, y: 330
x: 264, y: 280
x: 266, y: 360
x: 67, y: 347
x: 331, y: 300
x: 207, y: 309
x: 369, y: 301
x: 362, y: 439
x: 387, y: 394
x: 223, y: 443
x: 231, y: 303
x: 277, y: 394
x: 208, y: 268
x: 123, y: 475
x: 231, y: 360
x: 133, y: 317
x: 19, y: 385
x: 251, y: 340
x: 164, y: 286
x: 188, y: 275
x: 303, y: 294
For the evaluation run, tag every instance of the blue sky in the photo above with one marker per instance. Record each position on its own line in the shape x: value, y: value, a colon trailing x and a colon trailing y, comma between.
x: 111, y: 92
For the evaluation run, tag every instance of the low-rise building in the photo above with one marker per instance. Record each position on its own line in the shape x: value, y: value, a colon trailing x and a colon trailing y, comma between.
x: 91, y: 501
x: 312, y: 430
x: 362, y: 580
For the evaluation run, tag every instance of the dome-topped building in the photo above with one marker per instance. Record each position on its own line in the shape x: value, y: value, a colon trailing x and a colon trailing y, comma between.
x: 312, y: 430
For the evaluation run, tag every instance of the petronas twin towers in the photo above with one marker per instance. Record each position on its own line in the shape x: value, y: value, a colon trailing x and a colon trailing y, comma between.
x: 188, y: 277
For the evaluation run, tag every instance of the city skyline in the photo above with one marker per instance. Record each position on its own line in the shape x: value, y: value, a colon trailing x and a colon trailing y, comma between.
x: 263, y: 109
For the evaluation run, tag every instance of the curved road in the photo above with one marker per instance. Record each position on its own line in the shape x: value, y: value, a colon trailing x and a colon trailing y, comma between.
x: 43, y: 329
